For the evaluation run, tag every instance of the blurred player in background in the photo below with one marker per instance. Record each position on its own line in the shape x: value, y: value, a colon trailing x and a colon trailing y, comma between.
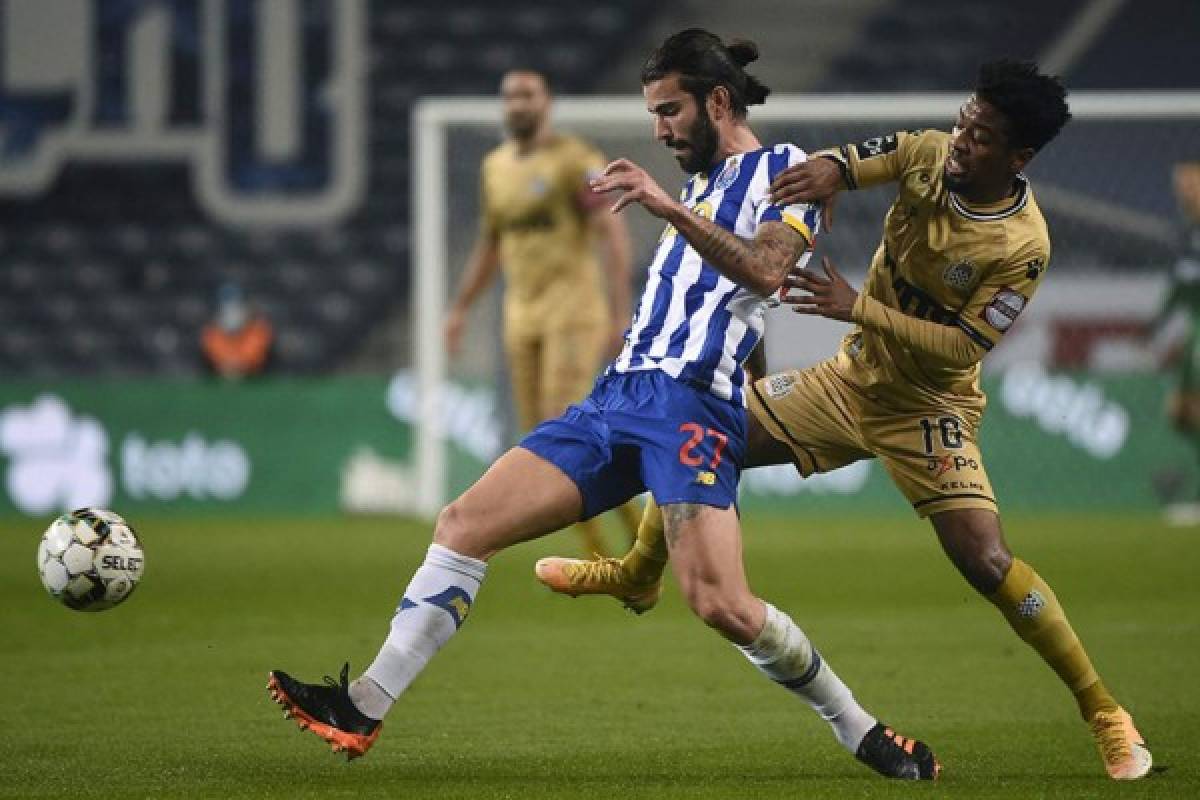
x: 1181, y: 309
x: 541, y: 222
x: 668, y: 415
x: 964, y: 248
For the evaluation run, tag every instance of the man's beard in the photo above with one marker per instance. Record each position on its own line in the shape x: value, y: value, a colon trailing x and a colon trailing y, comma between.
x: 522, y: 125
x: 702, y: 144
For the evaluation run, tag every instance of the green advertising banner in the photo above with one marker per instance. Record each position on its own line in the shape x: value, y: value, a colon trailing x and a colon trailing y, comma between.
x: 268, y: 446
x: 300, y: 446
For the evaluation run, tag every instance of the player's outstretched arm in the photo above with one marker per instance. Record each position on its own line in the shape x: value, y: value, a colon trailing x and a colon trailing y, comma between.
x: 614, y: 236
x: 882, y: 159
x: 480, y: 270
x: 759, y: 264
x: 830, y: 295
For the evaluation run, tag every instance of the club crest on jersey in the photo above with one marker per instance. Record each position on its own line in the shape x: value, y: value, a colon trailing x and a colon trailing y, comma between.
x: 1004, y: 309
x: 728, y: 175
x: 1031, y: 605
x: 959, y: 276
x: 779, y: 385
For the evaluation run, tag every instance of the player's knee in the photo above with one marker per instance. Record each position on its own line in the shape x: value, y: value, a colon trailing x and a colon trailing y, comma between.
x: 986, y: 567
x: 975, y: 543
x: 451, y: 530
x: 724, y: 613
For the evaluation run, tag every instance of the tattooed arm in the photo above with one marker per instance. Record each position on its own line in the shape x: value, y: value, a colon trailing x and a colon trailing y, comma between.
x: 759, y: 264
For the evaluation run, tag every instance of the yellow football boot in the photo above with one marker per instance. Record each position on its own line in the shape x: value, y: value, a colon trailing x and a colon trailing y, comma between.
x: 1121, y: 746
x: 574, y: 577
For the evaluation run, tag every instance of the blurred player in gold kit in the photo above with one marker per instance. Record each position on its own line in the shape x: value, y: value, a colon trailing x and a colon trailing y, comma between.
x: 541, y: 221
x: 964, y: 249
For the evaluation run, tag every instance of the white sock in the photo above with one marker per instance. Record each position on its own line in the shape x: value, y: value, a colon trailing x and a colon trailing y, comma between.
x: 785, y: 655
x: 433, y: 607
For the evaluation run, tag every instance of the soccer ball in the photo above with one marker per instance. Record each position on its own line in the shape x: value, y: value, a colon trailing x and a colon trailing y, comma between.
x: 90, y: 559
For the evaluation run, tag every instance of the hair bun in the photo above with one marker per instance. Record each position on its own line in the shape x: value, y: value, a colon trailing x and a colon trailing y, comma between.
x: 743, y: 51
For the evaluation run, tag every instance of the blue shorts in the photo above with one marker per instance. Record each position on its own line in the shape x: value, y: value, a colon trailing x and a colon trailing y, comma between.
x: 646, y: 430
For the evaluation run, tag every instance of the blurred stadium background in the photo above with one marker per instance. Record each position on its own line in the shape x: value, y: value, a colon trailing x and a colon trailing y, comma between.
x: 153, y: 151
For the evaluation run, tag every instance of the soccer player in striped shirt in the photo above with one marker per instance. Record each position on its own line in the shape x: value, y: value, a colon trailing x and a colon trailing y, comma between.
x: 668, y: 415
x: 964, y: 249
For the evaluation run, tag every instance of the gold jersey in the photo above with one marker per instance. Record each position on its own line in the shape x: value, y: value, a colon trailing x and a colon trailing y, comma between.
x: 974, y: 268
x: 536, y: 206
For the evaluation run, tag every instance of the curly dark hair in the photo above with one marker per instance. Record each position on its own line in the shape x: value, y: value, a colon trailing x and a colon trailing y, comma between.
x: 704, y: 62
x: 1035, y: 105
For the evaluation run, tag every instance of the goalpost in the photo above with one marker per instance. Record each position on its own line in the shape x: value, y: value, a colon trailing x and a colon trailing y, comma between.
x: 1108, y: 216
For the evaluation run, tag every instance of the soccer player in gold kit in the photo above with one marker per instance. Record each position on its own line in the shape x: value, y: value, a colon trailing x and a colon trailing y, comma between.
x: 540, y: 220
x: 964, y: 249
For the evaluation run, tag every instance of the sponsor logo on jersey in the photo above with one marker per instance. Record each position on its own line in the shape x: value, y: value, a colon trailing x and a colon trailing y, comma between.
x: 962, y: 486
x: 876, y: 146
x: 538, y: 219
x: 959, y: 276
x: 1033, y: 269
x: 1004, y: 309
x: 916, y: 302
x: 940, y: 466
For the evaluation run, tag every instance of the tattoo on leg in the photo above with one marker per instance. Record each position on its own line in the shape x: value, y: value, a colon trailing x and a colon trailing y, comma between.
x: 675, y: 515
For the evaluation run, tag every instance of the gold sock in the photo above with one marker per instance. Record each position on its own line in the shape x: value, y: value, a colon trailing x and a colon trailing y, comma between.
x: 593, y: 537
x: 631, y: 517
x: 647, y: 559
x: 1034, y: 612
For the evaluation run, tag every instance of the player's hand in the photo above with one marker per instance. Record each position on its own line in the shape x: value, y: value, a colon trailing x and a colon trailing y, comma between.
x: 829, y: 295
x: 814, y: 181
x: 637, y: 185
x: 456, y: 323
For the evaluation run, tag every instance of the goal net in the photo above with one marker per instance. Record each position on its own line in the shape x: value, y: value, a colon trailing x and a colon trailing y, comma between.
x: 1075, y: 395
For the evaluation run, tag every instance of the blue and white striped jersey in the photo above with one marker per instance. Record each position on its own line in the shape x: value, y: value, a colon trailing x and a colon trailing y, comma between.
x: 692, y: 322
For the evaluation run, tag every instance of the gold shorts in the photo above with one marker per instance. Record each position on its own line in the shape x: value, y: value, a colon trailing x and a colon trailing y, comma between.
x: 551, y: 370
x: 932, y: 454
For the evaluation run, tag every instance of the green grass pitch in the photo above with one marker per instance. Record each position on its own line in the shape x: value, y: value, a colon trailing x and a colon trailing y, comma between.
x: 543, y: 696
